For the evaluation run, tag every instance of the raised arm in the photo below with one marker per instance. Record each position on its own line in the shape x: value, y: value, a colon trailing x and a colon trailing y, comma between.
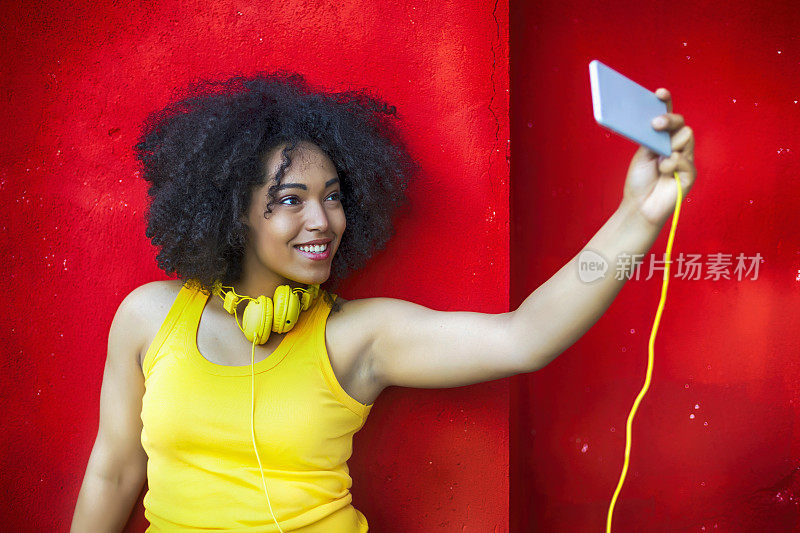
x: 116, y: 470
x: 414, y: 346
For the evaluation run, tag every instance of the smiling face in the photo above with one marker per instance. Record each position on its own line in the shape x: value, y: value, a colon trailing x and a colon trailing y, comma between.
x: 307, y: 209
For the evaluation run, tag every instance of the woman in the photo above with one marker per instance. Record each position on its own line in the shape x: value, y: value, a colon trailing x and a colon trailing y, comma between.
x: 261, y: 183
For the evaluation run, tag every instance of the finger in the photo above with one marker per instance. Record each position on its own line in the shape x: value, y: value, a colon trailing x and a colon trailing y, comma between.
x: 683, y: 141
x: 687, y: 172
x: 668, y: 164
x: 672, y: 122
x: 675, y: 162
x: 664, y: 95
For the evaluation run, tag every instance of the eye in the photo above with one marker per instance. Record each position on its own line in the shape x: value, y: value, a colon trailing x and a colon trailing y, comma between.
x: 289, y: 200
x: 336, y: 195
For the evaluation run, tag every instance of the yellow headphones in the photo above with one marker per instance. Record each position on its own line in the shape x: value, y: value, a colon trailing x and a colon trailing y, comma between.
x: 261, y: 316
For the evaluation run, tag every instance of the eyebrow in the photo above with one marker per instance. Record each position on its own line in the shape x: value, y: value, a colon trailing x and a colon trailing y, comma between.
x: 302, y: 186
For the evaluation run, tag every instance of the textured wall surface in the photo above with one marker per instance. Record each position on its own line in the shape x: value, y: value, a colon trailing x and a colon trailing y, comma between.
x: 716, y: 441
x: 78, y: 79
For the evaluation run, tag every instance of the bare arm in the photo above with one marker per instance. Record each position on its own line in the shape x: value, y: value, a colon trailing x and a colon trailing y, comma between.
x: 562, y: 309
x: 117, y: 466
x: 559, y: 312
x: 410, y: 345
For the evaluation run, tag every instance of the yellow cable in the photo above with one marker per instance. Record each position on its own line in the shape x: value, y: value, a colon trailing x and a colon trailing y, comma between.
x: 650, y: 347
x: 252, y: 426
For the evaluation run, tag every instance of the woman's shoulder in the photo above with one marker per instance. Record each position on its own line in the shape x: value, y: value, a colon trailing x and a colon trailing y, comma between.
x: 352, y: 324
x: 362, y: 320
x: 145, y: 308
x: 351, y: 336
x: 151, y: 298
x: 343, y: 329
x: 362, y: 309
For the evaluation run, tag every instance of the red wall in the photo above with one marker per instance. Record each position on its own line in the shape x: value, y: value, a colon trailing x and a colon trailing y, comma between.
x: 78, y: 79
x: 726, y: 350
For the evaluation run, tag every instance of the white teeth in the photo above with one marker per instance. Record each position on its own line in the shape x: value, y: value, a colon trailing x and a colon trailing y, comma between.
x: 314, y: 248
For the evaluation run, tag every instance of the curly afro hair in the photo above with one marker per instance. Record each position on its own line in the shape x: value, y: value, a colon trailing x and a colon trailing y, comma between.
x: 202, y: 156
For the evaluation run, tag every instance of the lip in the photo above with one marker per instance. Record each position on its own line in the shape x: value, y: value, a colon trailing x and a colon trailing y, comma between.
x: 318, y: 241
x: 315, y: 257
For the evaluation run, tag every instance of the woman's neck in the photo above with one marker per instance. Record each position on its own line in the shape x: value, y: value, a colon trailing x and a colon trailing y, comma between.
x: 255, y: 286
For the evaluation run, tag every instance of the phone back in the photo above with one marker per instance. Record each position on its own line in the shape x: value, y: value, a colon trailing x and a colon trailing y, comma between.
x: 627, y: 108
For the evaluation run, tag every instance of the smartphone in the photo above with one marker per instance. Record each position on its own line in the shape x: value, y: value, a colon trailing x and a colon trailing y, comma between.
x: 627, y: 108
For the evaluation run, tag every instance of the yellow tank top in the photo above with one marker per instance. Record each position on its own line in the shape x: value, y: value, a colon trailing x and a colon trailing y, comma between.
x: 202, y: 471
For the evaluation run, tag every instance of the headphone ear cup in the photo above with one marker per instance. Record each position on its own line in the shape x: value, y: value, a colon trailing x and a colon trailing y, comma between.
x: 257, y: 319
x: 287, y: 309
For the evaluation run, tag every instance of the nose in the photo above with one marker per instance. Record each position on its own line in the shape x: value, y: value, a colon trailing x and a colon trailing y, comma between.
x: 316, y: 217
